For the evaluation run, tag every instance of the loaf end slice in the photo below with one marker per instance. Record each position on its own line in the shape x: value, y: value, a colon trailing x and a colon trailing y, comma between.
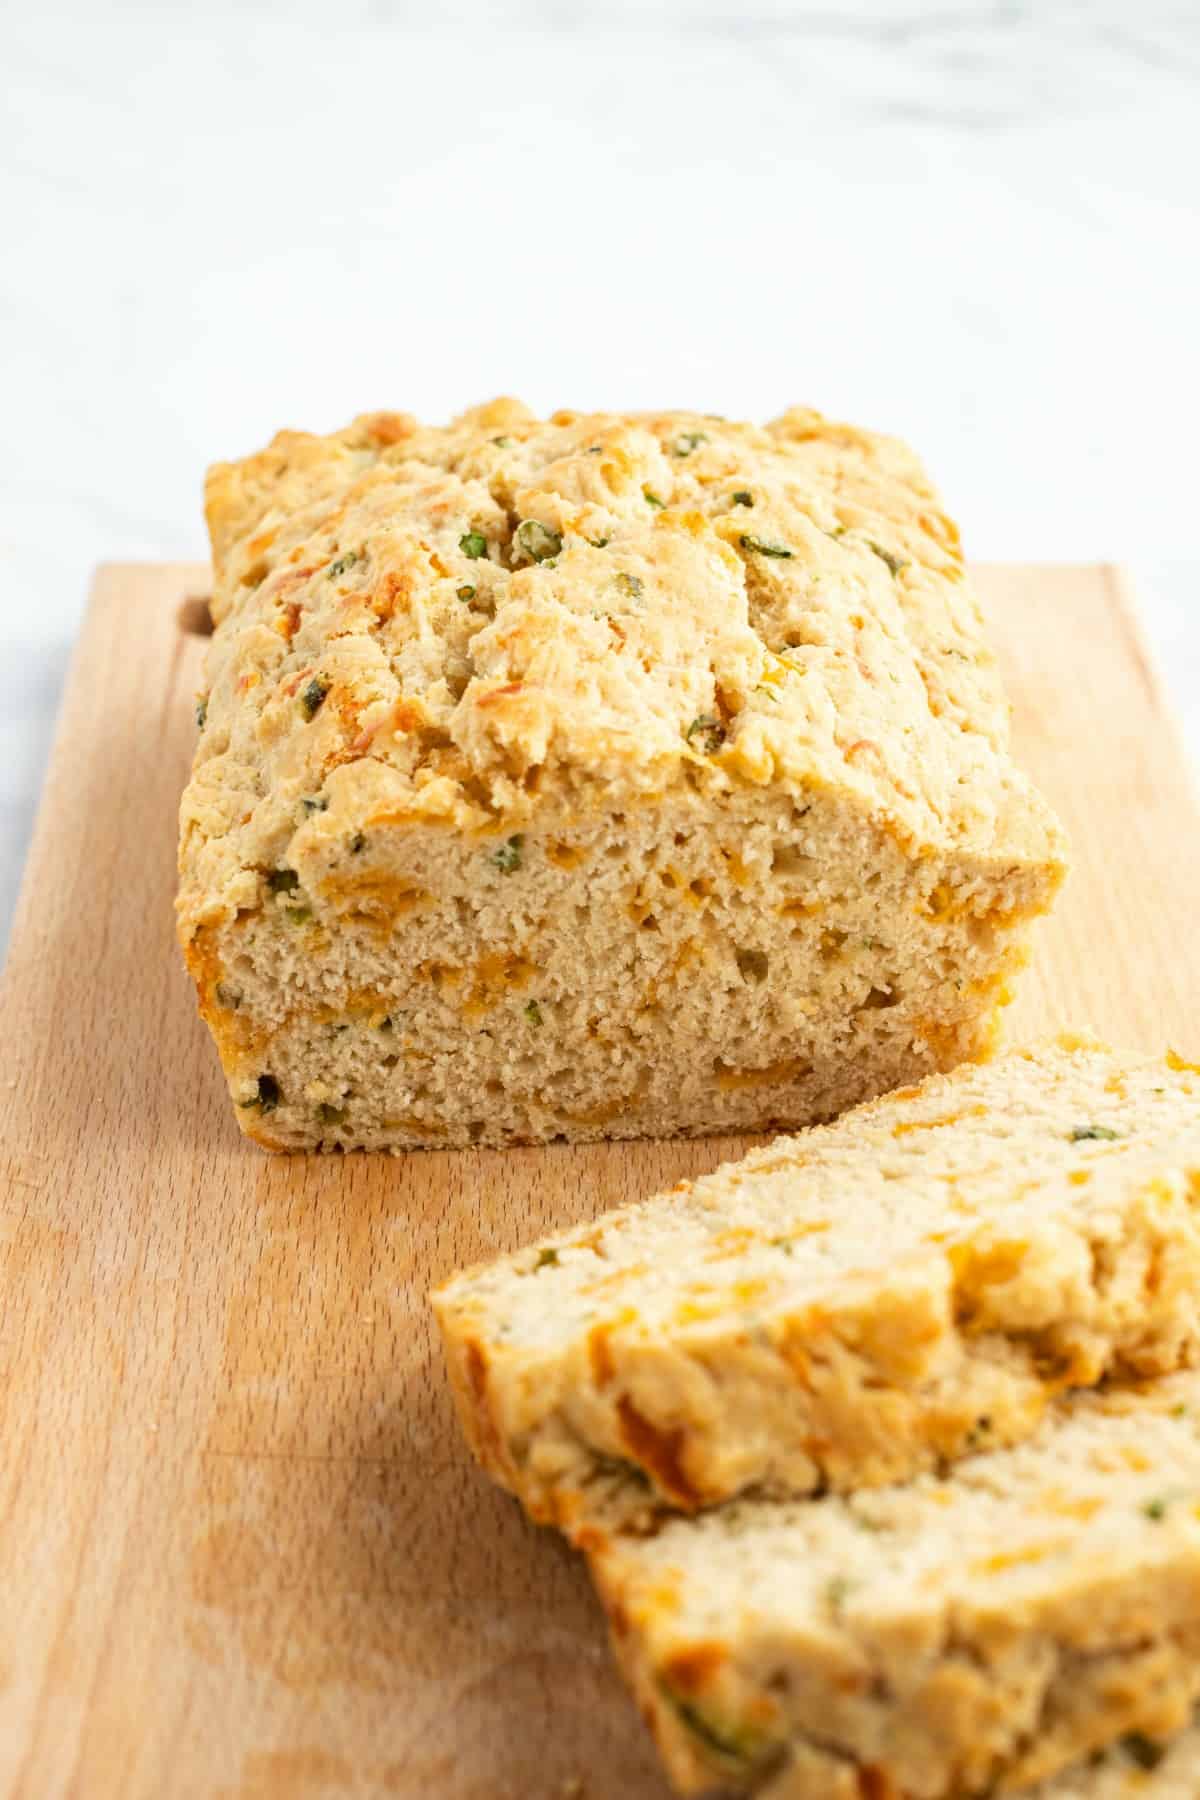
x: 599, y: 776
x: 954, y: 1637
x: 848, y: 1306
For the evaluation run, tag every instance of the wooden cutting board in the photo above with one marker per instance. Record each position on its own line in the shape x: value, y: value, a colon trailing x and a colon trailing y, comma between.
x: 242, y: 1552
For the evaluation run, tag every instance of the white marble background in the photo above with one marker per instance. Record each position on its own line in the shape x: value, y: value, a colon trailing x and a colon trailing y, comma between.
x: 974, y: 224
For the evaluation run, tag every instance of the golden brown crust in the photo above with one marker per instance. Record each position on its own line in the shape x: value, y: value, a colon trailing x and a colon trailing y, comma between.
x: 822, y: 633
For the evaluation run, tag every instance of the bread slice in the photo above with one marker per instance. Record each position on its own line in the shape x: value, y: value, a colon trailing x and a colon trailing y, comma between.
x: 959, y: 1635
x: 849, y: 1306
x: 601, y: 776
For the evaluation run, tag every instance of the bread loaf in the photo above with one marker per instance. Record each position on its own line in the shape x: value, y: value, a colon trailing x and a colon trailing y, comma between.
x: 606, y: 775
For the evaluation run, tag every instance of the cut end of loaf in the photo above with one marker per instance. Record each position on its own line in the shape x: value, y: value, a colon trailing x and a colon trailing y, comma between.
x: 665, y: 972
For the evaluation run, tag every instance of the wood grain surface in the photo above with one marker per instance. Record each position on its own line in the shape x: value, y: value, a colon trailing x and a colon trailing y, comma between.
x: 242, y: 1552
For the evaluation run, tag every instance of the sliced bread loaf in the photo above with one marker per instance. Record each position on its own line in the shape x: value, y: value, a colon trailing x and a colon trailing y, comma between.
x: 955, y: 1636
x: 605, y: 775
x: 848, y: 1306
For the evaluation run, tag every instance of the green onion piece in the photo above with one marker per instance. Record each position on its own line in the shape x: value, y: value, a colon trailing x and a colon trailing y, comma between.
x: 466, y: 591
x: 631, y: 586
x: 752, y: 965
x: 283, y: 881
x: 710, y: 731
x: 533, y: 1012
x: 1082, y: 1133
x: 312, y: 699
x: 342, y: 564
x: 761, y: 548
x: 473, y: 544
x: 743, y: 497
x: 725, y: 1744
x: 537, y: 542
x: 201, y: 711
x: 652, y: 499
x: 894, y: 563
x: 547, y: 1259
x: 686, y: 442
x: 507, y: 857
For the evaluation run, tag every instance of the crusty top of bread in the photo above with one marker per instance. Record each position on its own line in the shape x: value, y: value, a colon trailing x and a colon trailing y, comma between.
x: 460, y: 625
x: 970, y: 1170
